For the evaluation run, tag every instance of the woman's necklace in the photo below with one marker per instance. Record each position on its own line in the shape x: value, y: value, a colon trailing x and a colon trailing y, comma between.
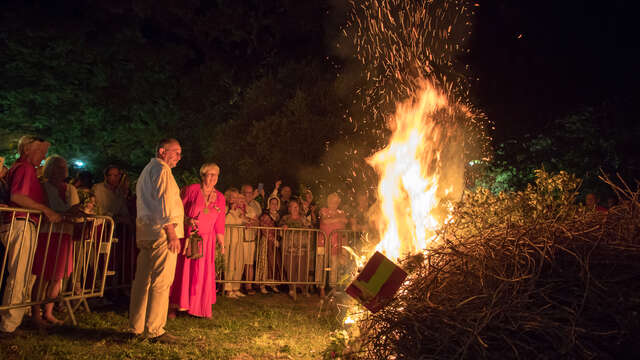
x: 209, y: 196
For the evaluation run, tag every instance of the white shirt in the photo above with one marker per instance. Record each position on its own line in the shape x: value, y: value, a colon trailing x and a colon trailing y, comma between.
x: 254, y: 210
x: 109, y: 202
x: 158, y: 201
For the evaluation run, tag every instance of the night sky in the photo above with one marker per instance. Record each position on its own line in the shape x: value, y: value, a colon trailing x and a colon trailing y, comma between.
x: 539, y: 60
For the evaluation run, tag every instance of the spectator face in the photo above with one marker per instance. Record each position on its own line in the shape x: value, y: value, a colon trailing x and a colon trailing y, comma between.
x: 113, y: 177
x: 171, y: 153
x: 3, y: 171
x: 233, y: 198
x: 247, y: 192
x: 294, y: 208
x: 286, y: 193
x: 273, y: 204
x: 590, y: 200
x: 308, y: 196
x: 210, y: 178
x: 36, y: 152
x: 333, y: 201
x: 90, y: 205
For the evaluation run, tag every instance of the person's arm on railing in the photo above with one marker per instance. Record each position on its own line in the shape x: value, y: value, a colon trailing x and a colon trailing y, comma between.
x: 28, y: 203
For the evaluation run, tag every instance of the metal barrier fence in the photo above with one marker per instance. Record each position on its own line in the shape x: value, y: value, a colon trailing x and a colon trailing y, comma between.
x: 338, y: 266
x: 271, y: 255
x: 71, y: 257
x: 257, y: 255
x: 274, y: 256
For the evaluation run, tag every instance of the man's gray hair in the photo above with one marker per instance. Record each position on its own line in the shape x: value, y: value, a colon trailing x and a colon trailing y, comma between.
x: 27, y: 140
x: 164, y: 142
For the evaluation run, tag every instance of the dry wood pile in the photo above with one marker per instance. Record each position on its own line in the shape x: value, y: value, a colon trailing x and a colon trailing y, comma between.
x: 521, y: 275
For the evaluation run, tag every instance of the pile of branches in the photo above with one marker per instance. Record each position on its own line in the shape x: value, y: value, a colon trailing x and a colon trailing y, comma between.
x: 525, y: 275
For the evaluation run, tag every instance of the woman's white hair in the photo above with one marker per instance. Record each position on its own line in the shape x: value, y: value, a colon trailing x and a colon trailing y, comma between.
x: 49, y: 166
x: 208, y: 166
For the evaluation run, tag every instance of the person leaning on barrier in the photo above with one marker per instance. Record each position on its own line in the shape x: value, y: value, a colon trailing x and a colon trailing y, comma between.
x: 159, y: 227
x: 111, y: 197
x: 331, y: 219
x: 233, y: 242
x: 268, y: 256
x: 54, y: 241
x: 252, y: 213
x: 20, y: 241
x: 295, y: 248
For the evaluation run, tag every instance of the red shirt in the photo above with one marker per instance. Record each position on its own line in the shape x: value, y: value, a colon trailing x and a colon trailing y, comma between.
x: 23, y: 180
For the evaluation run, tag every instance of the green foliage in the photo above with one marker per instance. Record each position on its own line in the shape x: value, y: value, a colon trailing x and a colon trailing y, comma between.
x: 550, y: 196
x: 105, y: 91
x: 281, y: 128
x: 339, y: 344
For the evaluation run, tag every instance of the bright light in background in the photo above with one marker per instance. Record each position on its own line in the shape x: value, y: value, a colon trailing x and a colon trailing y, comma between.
x: 78, y: 163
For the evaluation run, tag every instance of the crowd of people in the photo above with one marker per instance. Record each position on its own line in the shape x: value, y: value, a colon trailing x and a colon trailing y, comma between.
x: 177, y: 232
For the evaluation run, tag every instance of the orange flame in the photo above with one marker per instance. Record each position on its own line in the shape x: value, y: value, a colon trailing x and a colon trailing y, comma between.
x: 409, y: 191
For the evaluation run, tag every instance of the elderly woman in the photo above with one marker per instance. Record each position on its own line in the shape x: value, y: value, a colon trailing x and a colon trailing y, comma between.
x: 268, y: 259
x: 58, y: 262
x: 295, y: 245
x: 332, y: 220
x: 194, y: 289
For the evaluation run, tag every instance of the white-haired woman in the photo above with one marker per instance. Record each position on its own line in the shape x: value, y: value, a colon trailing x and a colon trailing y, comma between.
x: 194, y: 287
x: 332, y: 220
x: 58, y: 262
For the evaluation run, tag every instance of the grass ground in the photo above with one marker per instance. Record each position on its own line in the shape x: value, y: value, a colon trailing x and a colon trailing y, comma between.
x: 254, y: 327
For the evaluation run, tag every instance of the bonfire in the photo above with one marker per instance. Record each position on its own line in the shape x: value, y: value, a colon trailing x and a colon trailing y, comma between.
x: 524, y: 275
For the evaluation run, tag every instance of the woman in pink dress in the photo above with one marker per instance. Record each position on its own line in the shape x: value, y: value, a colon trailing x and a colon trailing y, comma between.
x: 194, y: 289
x: 57, y: 264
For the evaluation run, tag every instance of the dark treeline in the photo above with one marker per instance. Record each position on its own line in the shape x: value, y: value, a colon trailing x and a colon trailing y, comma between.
x: 263, y: 88
x: 245, y: 84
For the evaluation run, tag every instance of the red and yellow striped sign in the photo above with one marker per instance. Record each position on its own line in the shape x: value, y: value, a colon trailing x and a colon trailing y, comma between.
x: 377, y: 283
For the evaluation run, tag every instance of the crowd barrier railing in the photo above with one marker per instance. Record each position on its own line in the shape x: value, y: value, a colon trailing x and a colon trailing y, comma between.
x: 257, y: 255
x: 271, y: 256
x: 37, y: 256
x: 277, y: 256
x: 338, y: 263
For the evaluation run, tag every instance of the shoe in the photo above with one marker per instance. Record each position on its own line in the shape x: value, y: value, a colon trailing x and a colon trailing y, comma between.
x: 232, y: 295
x: 306, y: 294
x: 166, y: 338
x: 274, y: 289
x: 293, y: 294
x: 263, y: 290
x: 251, y: 292
x: 239, y: 294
